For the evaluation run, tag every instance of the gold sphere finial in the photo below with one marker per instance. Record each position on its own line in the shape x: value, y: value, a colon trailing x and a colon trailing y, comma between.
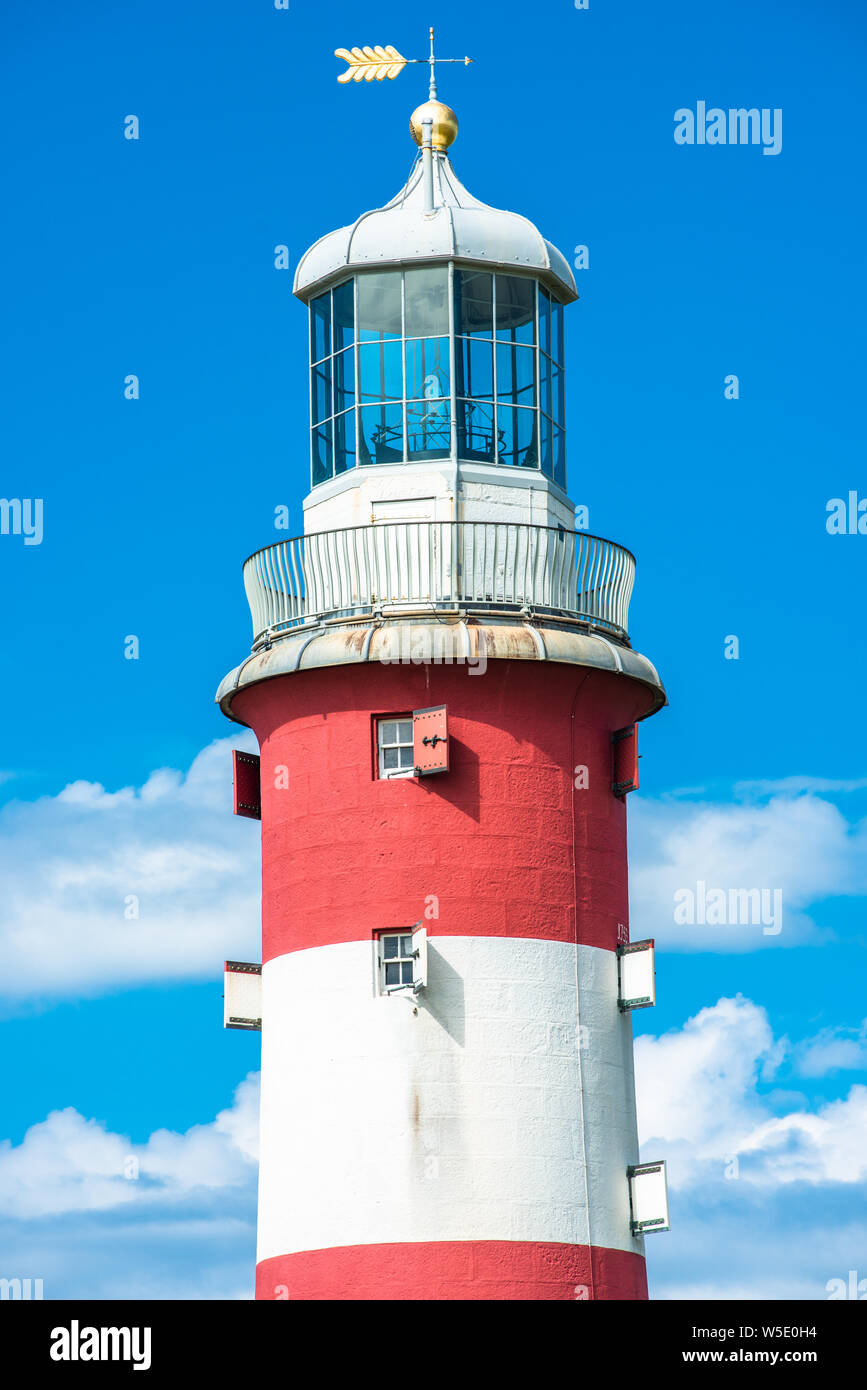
x: 445, y: 124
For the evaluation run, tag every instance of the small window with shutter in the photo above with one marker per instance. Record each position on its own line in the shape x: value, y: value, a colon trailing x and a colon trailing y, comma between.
x: 394, y: 746
x: 402, y: 960
x: 415, y: 744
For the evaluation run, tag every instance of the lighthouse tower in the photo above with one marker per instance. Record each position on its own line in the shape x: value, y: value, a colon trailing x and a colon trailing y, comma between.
x: 445, y: 699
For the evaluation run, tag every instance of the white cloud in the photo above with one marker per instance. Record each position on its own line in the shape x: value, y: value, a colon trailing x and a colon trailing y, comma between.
x: 795, y: 786
x: 72, y: 865
x: 67, y: 1163
x: 184, y: 1228
x: 832, y: 1050
x: 802, y: 846
x: 764, y: 1205
x: 698, y: 1093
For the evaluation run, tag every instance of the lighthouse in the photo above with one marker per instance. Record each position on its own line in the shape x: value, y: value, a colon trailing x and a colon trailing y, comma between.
x: 446, y: 702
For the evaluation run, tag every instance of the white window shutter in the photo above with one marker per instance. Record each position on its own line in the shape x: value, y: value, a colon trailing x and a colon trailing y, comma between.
x: 648, y: 1198
x: 242, y: 995
x: 637, y: 974
x: 419, y: 964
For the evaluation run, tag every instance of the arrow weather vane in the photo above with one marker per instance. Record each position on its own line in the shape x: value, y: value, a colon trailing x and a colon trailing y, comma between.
x: 374, y: 64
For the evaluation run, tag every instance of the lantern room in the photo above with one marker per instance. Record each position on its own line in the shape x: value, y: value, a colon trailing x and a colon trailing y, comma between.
x: 436, y: 354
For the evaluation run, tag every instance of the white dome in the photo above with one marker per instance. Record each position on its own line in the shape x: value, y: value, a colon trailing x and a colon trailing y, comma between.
x: 460, y: 228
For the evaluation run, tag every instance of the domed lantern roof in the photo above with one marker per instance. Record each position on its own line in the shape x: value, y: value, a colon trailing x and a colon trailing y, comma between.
x: 460, y: 228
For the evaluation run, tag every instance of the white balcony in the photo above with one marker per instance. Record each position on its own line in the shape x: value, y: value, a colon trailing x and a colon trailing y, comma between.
x: 439, y: 566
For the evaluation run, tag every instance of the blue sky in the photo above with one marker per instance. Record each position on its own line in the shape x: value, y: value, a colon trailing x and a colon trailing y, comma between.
x: 156, y: 257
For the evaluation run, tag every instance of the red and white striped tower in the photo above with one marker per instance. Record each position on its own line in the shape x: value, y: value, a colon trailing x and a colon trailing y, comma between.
x: 445, y: 697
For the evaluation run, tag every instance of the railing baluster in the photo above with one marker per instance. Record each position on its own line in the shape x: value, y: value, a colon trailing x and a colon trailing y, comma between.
x: 429, y: 562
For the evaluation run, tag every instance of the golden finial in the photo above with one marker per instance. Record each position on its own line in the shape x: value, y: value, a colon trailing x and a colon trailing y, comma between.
x: 376, y: 64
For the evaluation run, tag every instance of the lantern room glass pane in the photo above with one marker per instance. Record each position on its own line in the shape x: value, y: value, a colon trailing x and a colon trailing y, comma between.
x: 474, y: 362
x: 560, y: 457
x: 427, y: 368
x: 343, y: 300
x: 516, y: 309
x: 380, y: 434
x: 557, y: 351
x: 516, y: 374
x: 546, y: 425
x: 558, y: 405
x: 476, y: 431
x: 344, y: 380
x: 320, y: 327
x: 379, y: 313
x: 380, y: 372
x: 517, y: 437
x: 344, y: 441
x: 474, y: 303
x: 322, y: 461
x: 321, y: 403
x: 426, y: 302
x: 544, y: 321
x: 429, y: 429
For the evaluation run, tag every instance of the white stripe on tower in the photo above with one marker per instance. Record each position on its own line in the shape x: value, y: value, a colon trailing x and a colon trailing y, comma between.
x: 459, y: 1122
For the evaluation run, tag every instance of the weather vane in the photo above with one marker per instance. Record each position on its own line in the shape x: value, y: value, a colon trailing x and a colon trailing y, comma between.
x: 374, y: 64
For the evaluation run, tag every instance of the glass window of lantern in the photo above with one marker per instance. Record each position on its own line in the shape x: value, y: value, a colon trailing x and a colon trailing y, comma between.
x: 381, y: 371
x: 379, y: 308
x: 426, y: 302
x: 516, y: 309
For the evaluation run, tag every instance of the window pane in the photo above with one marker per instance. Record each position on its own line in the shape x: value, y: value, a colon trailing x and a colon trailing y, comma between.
x: 406, y: 945
x: 392, y: 974
x: 557, y: 331
x: 427, y: 368
x: 516, y: 309
x: 380, y: 377
x: 390, y: 759
x: 474, y: 362
x: 547, y: 429
x: 516, y: 375
x: 389, y: 947
x: 544, y: 321
x: 406, y: 757
x: 344, y: 380
x: 378, y: 306
x: 429, y: 429
x: 474, y: 303
x: 344, y: 442
x: 560, y: 458
x: 320, y: 327
x: 387, y: 732
x: 476, y: 434
x: 344, y: 315
x: 517, y: 430
x: 321, y: 404
x: 322, y: 453
x: 407, y: 973
x: 404, y: 731
x: 558, y: 395
x: 426, y: 302
x: 380, y: 434
x: 545, y: 377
